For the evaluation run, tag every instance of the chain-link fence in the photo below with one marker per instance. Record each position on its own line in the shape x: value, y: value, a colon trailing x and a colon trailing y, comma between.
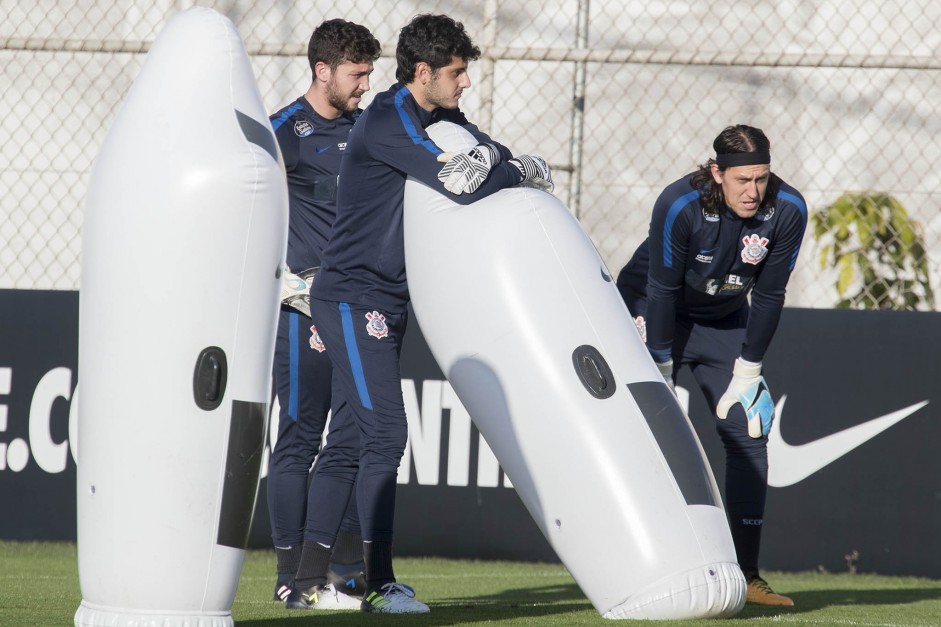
x: 622, y: 97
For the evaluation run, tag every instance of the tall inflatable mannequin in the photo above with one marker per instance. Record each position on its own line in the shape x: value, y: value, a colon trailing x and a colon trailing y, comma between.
x: 526, y: 323
x: 183, y: 245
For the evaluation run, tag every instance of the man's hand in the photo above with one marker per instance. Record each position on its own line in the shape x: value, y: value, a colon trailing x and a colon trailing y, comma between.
x: 535, y: 171
x: 748, y: 387
x: 467, y: 171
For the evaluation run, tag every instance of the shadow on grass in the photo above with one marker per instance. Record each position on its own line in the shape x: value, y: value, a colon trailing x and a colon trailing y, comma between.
x: 566, y: 605
x: 813, y: 600
x: 548, y: 602
x: 568, y: 592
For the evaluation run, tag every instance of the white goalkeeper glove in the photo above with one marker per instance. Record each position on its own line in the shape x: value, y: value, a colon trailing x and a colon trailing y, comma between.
x: 666, y: 369
x: 467, y: 171
x: 535, y: 171
x: 748, y: 387
x: 295, y: 289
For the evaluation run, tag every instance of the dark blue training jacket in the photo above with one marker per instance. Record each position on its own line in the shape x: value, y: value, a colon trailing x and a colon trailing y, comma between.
x: 364, y: 262
x: 702, y: 266
x: 312, y: 147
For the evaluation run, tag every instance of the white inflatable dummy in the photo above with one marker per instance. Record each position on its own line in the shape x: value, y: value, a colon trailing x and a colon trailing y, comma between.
x: 183, y: 243
x: 527, y: 325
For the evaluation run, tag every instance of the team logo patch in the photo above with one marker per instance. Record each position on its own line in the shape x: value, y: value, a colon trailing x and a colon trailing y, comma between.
x: 315, y: 342
x: 756, y: 248
x: 641, y: 325
x: 705, y: 255
x: 376, y: 325
x: 303, y: 128
x: 730, y: 284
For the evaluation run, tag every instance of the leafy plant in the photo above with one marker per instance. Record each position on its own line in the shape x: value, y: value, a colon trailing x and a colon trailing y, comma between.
x: 878, y: 251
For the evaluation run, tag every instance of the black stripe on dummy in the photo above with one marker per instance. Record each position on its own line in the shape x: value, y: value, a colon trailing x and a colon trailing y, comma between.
x: 242, y: 467
x: 257, y: 133
x: 676, y: 440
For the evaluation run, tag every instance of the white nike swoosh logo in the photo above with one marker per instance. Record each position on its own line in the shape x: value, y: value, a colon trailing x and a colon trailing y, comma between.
x: 789, y: 464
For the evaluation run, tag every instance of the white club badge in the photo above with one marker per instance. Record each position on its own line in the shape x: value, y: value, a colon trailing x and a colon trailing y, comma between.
x: 303, y: 128
x: 756, y: 248
x: 376, y: 325
x: 315, y: 342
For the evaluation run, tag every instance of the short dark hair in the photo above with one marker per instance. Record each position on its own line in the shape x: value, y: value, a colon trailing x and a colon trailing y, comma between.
x: 338, y: 41
x: 732, y: 140
x: 434, y: 39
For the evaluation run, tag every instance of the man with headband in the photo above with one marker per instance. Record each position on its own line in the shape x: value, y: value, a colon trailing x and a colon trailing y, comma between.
x: 727, y: 229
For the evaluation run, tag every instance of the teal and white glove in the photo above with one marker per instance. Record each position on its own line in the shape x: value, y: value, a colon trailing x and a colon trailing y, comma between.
x: 295, y: 289
x: 536, y: 172
x: 666, y: 369
x: 467, y: 171
x: 748, y: 387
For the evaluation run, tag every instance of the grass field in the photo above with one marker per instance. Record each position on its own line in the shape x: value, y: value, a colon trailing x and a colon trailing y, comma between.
x: 39, y: 586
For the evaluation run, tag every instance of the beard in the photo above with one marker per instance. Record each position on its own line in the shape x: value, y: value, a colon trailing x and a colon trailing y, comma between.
x: 435, y: 94
x: 339, y: 101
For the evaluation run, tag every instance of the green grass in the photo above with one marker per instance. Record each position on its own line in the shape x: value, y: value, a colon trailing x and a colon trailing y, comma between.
x: 39, y: 586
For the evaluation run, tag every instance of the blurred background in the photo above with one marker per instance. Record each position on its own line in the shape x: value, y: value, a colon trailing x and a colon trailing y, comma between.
x: 621, y: 96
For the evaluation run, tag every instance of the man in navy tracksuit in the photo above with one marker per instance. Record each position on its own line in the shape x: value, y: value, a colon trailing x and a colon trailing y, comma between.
x: 729, y: 229
x: 312, y: 133
x: 360, y: 294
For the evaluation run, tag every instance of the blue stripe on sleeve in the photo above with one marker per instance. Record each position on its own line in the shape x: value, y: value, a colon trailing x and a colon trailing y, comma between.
x: 673, y: 212
x: 798, y: 202
x: 281, y: 119
x: 352, y: 352
x: 293, y: 360
x: 410, y: 129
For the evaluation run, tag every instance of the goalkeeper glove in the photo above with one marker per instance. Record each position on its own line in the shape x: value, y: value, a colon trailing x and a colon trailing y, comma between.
x: 748, y: 387
x: 666, y: 369
x: 295, y: 289
x: 535, y: 171
x: 467, y: 171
